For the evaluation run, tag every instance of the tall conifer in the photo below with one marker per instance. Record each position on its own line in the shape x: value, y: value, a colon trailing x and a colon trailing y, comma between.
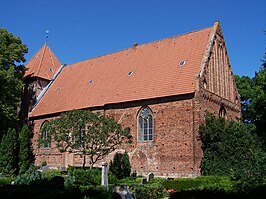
x: 125, y: 165
x: 8, y: 153
x: 25, y: 150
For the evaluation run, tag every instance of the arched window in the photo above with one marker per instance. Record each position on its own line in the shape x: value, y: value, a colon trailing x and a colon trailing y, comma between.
x: 45, y: 136
x: 145, y: 125
x: 222, y: 112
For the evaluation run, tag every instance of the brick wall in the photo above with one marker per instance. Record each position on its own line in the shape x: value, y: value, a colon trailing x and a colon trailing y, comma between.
x: 176, y: 148
x: 170, y: 153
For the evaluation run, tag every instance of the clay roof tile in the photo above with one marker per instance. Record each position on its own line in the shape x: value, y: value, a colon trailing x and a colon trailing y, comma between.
x: 44, y: 64
x: 155, y: 67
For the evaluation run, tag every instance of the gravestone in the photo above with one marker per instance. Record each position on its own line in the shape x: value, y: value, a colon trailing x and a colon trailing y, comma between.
x: 143, y: 181
x: 150, y: 176
x: 45, y: 168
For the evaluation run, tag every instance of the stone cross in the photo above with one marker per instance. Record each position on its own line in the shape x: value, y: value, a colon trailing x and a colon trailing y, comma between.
x: 104, y: 175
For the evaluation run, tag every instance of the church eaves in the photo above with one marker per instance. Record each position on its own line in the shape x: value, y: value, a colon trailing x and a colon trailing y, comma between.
x: 44, y: 64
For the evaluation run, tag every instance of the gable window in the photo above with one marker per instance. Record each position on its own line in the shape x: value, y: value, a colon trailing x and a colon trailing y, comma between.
x: 45, y: 137
x: 145, y: 125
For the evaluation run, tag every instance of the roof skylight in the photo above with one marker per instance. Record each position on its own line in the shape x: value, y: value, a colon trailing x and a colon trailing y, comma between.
x: 59, y: 88
x: 130, y: 73
x: 182, y: 62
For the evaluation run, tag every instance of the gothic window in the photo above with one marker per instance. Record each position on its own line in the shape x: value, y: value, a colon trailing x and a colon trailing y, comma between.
x: 45, y: 136
x: 145, y: 125
x: 222, y: 112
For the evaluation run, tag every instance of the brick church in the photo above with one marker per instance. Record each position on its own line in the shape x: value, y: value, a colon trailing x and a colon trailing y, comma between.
x: 160, y: 90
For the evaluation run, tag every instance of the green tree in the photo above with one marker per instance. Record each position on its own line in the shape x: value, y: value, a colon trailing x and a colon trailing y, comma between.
x: 8, y: 153
x: 26, y: 157
x: 88, y: 134
x: 12, y: 53
x: 253, y: 99
x: 120, y: 166
x: 125, y: 165
x: 115, y: 166
x: 231, y: 146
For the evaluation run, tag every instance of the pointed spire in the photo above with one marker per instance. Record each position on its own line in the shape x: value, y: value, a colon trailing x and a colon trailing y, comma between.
x: 44, y: 64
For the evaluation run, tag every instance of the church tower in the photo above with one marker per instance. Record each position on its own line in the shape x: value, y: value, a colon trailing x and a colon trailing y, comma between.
x: 39, y: 71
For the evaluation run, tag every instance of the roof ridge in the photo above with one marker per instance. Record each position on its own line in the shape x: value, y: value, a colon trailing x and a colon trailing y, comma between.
x: 49, y: 51
x: 140, y: 45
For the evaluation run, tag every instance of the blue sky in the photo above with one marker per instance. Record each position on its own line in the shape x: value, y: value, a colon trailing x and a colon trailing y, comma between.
x: 82, y: 29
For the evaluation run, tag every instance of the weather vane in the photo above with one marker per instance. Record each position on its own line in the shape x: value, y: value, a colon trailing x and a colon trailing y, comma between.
x: 46, y: 36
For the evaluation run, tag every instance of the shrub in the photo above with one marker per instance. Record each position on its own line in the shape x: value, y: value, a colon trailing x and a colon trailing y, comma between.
x: 69, y: 180
x: 125, y: 165
x: 50, y: 174
x: 112, y: 179
x: 230, y: 145
x: 40, y: 192
x: 86, y: 176
x: 6, y: 180
x: 97, y: 192
x: 199, y: 183
x: 120, y: 166
x: 8, y: 153
x: 25, y: 150
x: 115, y: 166
x: 148, y: 191
x: 28, y: 178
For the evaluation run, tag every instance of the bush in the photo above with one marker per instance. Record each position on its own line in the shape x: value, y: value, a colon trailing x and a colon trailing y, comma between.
x: 97, y: 192
x: 85, y: 176
x: 148, y: 191
x: 230, y: 145
x: 199, y: 183
x: 8, y: 153
x: 120, y: 166
x: 41, y: 192
x: 26, y: 157
x: 6, y: 180
x: 28, y: 178
x: 50, y: 174
x: 69, y: 180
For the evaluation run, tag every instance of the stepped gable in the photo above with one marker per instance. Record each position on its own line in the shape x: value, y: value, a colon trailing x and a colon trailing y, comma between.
x: 44, y: 64
x: 158, y: 69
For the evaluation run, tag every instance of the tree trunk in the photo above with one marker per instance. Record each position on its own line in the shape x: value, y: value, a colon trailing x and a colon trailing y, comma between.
x: 91, y: 163
x: 84, y: 160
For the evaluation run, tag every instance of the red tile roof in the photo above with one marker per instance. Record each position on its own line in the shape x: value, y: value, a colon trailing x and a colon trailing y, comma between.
x: 155, y: 69
x: 43, y: 64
